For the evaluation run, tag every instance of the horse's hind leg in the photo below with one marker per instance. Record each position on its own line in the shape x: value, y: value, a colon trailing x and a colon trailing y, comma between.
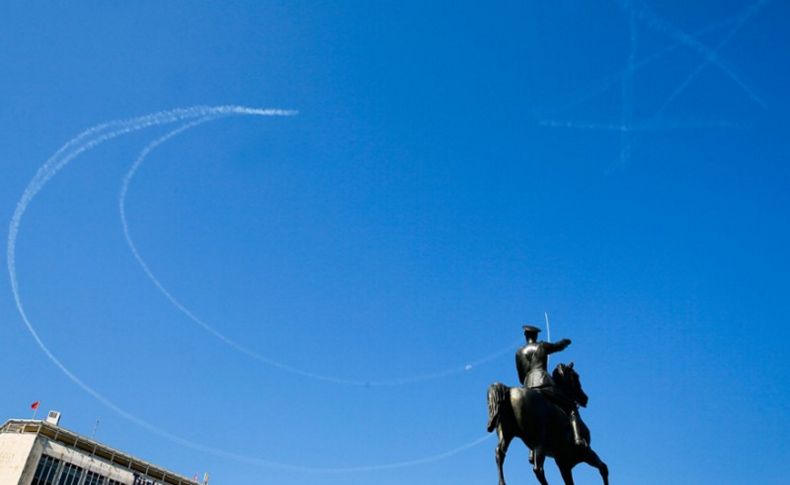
x: 592, y: 459
x: 537, y: 467
x: 501, y: 450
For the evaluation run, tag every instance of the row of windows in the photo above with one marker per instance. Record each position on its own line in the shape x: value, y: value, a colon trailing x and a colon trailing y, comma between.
x: 51, y: 471
x: 45, y: 473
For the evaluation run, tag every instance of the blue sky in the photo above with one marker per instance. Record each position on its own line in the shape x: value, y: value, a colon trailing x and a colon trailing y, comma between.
x: 454, y: 171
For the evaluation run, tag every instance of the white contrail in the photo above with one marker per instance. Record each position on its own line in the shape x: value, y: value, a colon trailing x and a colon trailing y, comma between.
x: 605, y: 83
x: 90, y: 139
x: 661, y: 25
x: 238, y: 346
x: 649, y: 126
x: 712, y: 56
x: 627, y: 92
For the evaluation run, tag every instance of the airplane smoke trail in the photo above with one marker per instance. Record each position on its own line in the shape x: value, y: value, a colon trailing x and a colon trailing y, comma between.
x: 713, y: 55
x: 581, y: 125
x: 91, y: 138
x: 644, y: 126
x: 240, y: 347
x: 601, y: 85
x: 627, y: 93
x: 661, y: 25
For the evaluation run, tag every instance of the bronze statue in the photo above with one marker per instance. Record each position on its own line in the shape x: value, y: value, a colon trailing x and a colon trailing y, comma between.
x: 543, y: 412
x: 531, y: 362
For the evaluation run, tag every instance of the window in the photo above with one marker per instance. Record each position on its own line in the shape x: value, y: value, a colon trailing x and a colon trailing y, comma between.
x: 70, y: 475
x: 92, y: 478
x: 141, y: 480
x: 46, y: 470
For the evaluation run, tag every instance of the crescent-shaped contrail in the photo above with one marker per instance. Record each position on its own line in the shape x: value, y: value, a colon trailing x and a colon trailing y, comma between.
x: 91, y: 138
x: 239, y: 347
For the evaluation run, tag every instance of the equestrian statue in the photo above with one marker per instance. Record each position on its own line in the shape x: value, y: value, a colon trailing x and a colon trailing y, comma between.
x: 543, y: 412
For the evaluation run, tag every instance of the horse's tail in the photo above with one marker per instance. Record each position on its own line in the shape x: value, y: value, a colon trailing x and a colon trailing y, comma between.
x: 497, y: 394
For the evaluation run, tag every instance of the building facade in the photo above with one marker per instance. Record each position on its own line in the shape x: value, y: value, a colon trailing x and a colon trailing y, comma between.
x: 36, y: 452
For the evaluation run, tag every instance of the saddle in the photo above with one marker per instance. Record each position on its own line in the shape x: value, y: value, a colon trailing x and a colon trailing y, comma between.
x: 560, y: 399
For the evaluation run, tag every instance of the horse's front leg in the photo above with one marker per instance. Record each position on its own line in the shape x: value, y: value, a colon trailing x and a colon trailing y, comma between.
x: 501, y: 451
x: 566, y: 472
x: 537, y: 467
x: 592, y: 459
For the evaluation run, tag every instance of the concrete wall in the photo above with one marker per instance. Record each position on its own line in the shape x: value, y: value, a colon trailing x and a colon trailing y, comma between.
x: 84, y: 461
x: 14, y: 452
x: 20, y: 454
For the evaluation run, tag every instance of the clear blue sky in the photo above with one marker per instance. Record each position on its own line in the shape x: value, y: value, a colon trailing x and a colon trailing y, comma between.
x: 455, y: 170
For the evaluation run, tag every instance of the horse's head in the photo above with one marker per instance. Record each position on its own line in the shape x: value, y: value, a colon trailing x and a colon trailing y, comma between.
x: 568, y: 380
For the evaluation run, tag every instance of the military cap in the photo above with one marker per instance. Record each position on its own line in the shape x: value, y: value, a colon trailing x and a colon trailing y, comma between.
x: 530, y: 329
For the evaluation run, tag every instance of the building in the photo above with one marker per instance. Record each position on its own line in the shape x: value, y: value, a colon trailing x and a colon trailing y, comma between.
x: 34, y: 452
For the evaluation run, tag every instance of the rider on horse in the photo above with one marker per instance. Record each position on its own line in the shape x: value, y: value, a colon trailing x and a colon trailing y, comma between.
x: 531, y: 362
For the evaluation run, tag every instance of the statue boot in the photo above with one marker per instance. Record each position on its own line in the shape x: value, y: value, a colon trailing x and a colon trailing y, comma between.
x: 576, y: 426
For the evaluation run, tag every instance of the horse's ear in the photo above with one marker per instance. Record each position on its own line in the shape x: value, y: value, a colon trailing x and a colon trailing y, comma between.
x: 570, y: 365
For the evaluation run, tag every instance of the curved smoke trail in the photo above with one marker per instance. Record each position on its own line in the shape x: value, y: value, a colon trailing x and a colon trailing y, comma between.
x: 233, y: 343
x: 90, y: 139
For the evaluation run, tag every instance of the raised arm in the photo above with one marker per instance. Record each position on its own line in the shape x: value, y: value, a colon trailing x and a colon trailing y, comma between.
x: 556, y: 347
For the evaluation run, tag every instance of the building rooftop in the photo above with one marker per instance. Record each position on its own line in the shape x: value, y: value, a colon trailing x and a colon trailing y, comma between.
x: 94, y: 448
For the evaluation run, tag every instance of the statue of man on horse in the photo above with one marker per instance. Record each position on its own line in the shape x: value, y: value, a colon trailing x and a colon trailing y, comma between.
x: 543, y: 412
x: 531, y: 362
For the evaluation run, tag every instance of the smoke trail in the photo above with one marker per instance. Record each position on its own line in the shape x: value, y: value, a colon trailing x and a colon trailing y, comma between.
x: 581, y: 125
x: 90, y: 139
x: 78, y: 145
x: 240, y: 347
x: 661, y: 25
x: 601, y: 85
x: 712, y: 56
x: 644, y: 126
x: 627, y: 92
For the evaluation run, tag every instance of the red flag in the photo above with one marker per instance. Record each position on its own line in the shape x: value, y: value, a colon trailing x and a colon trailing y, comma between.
x: 35, y: 405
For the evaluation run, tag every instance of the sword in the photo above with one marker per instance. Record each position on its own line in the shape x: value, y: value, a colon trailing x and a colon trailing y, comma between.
x: 548, y: 327
x: 548, y: 334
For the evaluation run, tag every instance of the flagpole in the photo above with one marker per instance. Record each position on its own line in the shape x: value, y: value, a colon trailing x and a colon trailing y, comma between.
x: 95, y: 427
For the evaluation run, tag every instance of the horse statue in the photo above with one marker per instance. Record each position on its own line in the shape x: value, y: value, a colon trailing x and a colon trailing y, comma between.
x: 542, y: 425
